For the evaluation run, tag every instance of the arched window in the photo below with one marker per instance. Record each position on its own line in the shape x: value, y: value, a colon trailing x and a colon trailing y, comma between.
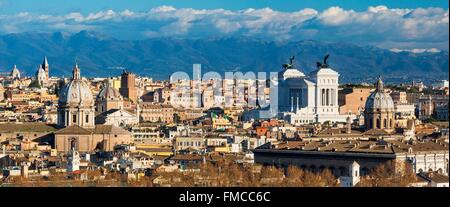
x: 385, y: 123
x: 378, y: 124
x: 73, y: 143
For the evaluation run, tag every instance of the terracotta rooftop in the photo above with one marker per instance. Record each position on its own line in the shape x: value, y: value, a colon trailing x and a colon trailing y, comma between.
x: 433, y: 176
x: 26, y: 127
x: 187, y: 157
x: 99, y: 129
x: 74, y: 129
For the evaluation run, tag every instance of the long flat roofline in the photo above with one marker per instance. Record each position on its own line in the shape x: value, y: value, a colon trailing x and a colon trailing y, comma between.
x: 322, y: 153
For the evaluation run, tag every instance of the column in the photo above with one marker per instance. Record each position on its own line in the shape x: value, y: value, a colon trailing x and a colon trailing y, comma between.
x: 332, y: 97
x: 292, y: 100
x: 323, y: 97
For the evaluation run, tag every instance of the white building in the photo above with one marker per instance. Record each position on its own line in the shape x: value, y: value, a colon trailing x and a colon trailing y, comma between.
x: 404, y: 110
x: 185, y: 100
x: 440, y: 84
x: 353, y: 178
x: 431, y: 160
x: 73, y: 161
x: 307, y: 99
x: 118, y: 118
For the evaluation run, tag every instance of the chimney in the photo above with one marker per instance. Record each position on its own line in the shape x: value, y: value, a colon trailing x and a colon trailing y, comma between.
x: 349, y: 125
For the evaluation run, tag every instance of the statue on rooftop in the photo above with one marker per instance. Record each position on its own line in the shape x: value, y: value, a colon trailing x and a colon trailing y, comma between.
x: 324, y: 64
x: 291, y: 63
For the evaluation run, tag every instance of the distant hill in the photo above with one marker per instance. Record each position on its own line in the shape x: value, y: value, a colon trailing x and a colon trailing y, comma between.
x: 102, y: 55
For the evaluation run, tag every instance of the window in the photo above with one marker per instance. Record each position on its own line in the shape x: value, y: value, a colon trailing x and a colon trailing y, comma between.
x: 87, y: 118
x: 74, y: 118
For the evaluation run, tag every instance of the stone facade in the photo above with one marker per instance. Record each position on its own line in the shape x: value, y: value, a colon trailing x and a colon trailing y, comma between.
x: 353, y: 100
x: 157, y: 113
x: 102, y: 137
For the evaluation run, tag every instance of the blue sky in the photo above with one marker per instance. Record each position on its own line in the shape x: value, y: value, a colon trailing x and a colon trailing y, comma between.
x: 86, y: 6
x: 402, y: 24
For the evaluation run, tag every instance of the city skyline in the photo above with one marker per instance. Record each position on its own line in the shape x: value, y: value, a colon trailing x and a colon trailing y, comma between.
x: 255, y: 93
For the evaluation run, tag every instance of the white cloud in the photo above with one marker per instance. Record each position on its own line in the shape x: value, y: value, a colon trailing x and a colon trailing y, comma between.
x: 336, y: 16
x: 378, y: 25
x: 416, y: 50
x: 163, y: 9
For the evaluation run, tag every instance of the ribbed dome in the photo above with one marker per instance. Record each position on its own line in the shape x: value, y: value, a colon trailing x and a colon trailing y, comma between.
x: 15, y: 73
x: 379, y: 100
x: 76, y: 92
x: 109, y: 93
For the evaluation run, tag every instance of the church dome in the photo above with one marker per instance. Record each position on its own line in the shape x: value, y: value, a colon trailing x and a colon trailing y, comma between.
x: 15, y: 73
x: 76, y: 93
x: 379, y: 100
x: 109, y: 93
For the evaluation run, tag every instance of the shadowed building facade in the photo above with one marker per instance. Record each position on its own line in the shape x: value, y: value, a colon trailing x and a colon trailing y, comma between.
x: 337, y: 155
x: 128, y: 86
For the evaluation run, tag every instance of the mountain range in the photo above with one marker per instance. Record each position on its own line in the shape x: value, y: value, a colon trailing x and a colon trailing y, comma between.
x: 102, y: 55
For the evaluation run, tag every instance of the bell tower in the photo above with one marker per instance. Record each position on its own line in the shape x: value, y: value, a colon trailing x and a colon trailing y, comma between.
x: 46, y: 68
